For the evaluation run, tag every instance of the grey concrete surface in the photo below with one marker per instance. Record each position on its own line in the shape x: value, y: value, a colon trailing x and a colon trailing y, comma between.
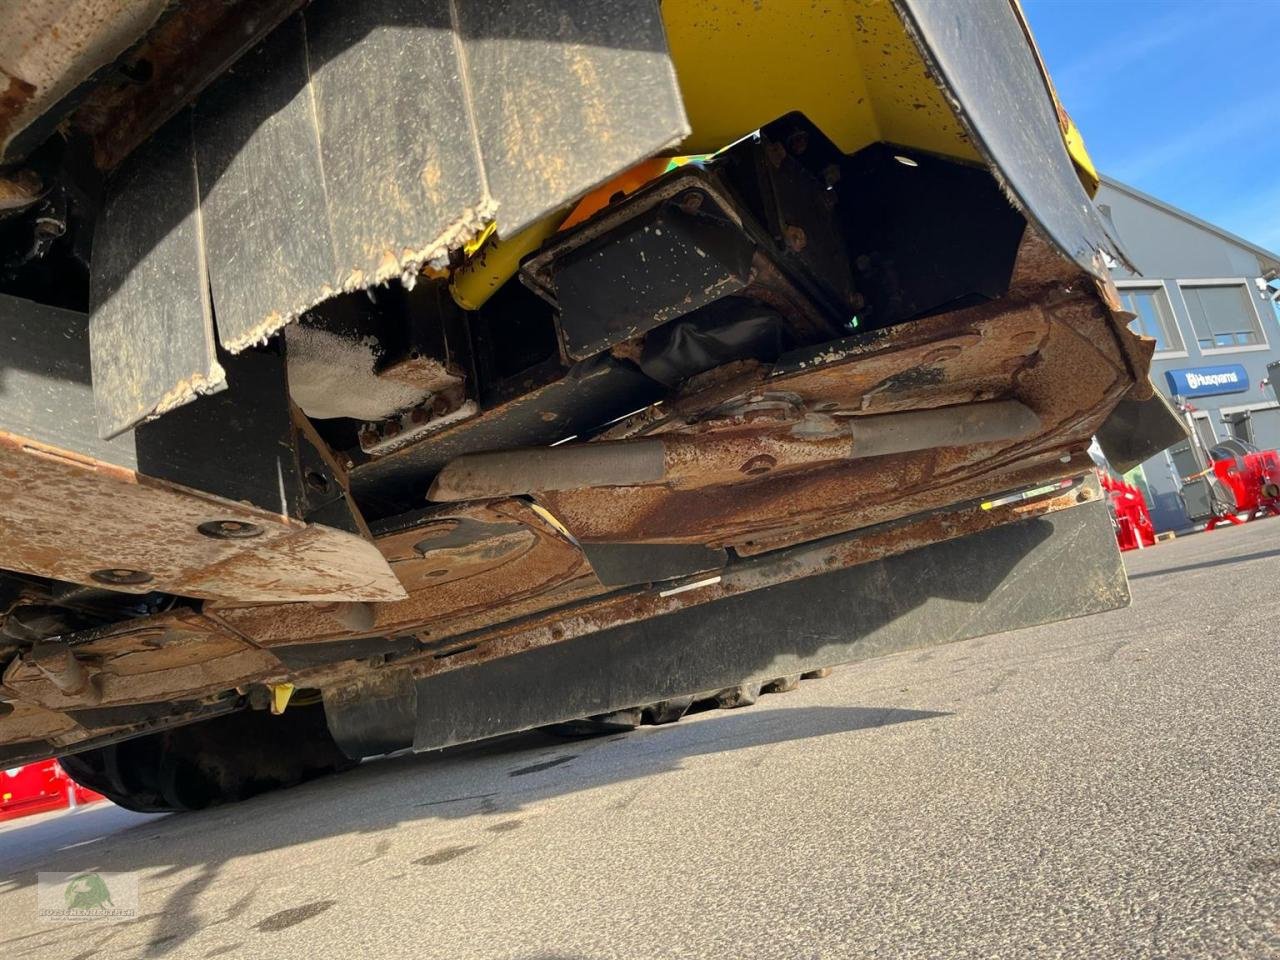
x: 1104, y: 788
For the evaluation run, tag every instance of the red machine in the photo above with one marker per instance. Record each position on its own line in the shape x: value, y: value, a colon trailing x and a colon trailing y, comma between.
x: 38, y: 787
x: 1253, y: 477
x: 1134, y: 530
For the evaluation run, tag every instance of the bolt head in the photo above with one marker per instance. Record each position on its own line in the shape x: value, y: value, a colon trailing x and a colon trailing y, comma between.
x: 229, y: 530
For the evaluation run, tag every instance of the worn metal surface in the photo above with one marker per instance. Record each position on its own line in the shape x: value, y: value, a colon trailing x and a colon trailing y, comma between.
x: 796, y: 438
x: 295, y: 634
x: 360, y: 143
x: 1015, y: 576
x: 1139, y: 429
x: 47, y: 50
x: 586, y: 395
x: 178, y: 655
x: 1051, y: 344
x: 117, y: 69
x: 151, y: 331
x: 65, y: 516
x: 1002, y: 99
x: 603, y: 611
x: 475, y: 562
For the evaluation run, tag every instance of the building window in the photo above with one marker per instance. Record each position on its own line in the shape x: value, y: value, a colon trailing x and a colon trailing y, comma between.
x: 1222, y: 316
x: 1154, y: 318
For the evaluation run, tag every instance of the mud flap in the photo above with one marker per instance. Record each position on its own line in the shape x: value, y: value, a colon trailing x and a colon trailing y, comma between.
x: 1018, y: 575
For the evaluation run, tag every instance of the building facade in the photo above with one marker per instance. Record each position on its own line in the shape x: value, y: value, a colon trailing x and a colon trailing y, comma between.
x: 1207, y: 297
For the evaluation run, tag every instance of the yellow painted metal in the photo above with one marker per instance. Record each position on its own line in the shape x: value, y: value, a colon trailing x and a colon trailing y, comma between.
x: 496, y: 259
x: 280, y: 695
x: 850, y: 67
x: 1085, y: 169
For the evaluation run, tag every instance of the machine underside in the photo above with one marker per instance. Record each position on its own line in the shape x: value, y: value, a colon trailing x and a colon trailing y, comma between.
x: 401, y: 400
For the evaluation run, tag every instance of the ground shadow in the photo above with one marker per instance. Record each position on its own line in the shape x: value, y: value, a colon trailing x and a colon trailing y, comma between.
x: 1206, y: 564
x: 496, y: 778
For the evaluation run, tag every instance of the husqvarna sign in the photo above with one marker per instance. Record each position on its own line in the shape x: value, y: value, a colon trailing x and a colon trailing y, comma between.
x: 1207, y: 381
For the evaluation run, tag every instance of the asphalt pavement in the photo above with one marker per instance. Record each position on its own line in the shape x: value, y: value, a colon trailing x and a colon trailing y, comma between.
x: 1104, y: 787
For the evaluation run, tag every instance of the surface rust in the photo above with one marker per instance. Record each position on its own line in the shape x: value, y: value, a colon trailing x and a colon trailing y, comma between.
x: 173, y: 655
x: 510, y: 561
x: 63, y: 516
x: 1051, y: 343
x: 619, y: 608
x: 190, y: 46
x: 491, y: 579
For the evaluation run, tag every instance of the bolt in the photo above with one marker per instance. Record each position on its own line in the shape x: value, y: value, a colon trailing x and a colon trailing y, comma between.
x: 440, y: 405
x: 369, y: 436
x: 691, y: 201
x: 420, y: 415
x: 795, y: 237
x: 391, y: 428
x: 229, y: 530
x: 759, y: 464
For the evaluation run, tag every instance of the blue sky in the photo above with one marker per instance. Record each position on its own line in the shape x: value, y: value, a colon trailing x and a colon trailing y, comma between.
x: 1179, y: 98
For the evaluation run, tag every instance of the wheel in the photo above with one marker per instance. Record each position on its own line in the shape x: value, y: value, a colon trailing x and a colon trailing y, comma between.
x: 220, y: 760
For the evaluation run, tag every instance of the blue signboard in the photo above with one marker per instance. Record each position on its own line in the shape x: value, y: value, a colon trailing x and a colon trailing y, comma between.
x: 1207, y: 381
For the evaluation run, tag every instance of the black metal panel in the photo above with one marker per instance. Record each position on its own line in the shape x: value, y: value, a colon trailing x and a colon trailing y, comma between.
x: 373, y: 717
x: 262, y: 188
x: 238, y: 444
x: 566, y: 94
x: 788, y: 176
x: 926, y: 236
x: 659, y: 265
x: 45, y: 392
x: 984, y: 60
x: 627, y: 564
x: 1138, y: 429
x: 1034, y: 571
x: 152, y: 327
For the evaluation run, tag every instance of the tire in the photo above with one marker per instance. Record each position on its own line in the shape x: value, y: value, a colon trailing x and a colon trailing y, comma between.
x: 203, y: 764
